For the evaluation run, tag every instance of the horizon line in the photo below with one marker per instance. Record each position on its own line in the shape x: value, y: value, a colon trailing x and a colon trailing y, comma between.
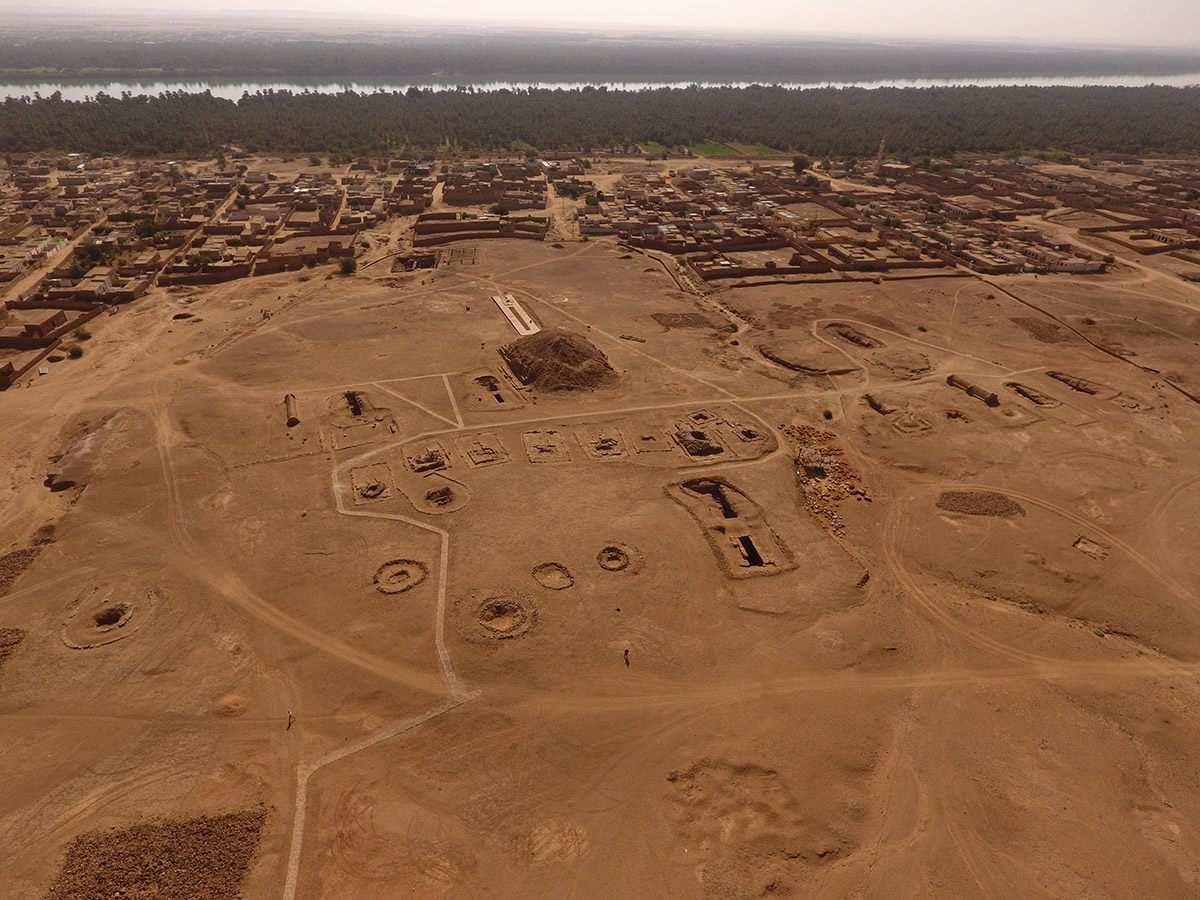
x: 393, y: 24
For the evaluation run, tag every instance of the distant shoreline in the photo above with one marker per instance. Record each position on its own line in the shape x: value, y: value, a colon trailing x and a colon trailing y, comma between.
x: 234, y: 88
x: 159, y: 59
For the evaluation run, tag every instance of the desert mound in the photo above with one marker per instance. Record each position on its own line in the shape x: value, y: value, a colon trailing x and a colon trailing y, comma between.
x: 90, y: 452
x: 10, y: 639
x: 980, y: 503
x: 203, y: 857
x: 902, y: 363
x: 558, y: 360
x: 808, y: 361
x: 690, y: 320
x: 13, y: 564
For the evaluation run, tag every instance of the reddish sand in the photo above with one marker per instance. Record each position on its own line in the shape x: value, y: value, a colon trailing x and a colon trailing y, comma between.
x: 485, y: 639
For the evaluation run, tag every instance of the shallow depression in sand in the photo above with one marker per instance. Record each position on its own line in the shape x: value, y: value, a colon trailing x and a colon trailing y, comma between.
x: 97, y: 618
x: 505, y: 618
x: 553, y: 576
x: 619, y: 558
x: 399, y: 575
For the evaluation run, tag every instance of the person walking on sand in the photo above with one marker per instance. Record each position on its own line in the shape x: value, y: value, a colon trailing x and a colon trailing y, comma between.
x: 627, y: 657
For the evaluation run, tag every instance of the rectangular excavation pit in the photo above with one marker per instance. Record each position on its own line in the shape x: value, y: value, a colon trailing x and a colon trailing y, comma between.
x: 750, y: 552
x: 881, y: 405
x: 852, y: 335
x: 602, y: 443
x: 425, y: 458
x: 356, y: 435
x: 742, y: 441
x: 459, y: 256
x: 734, y: 526
x: 483, y: 449
x: 717, y: 492
x: 1040, y: 404
x: 412, y: 262
x: 1081, y: 385
x: 353, y: 420
x: 371, y: 483
x: 703, y: 417
x: 547, y: 446
x: 910, y: 422
x: 1091, y: 548
x: 436, y: 492
x: 747, y: 434
x: 440, y: 496
x: 1033, y: 395
x: 652, y: 442
x: 698, y: 442
x: 492, y: 392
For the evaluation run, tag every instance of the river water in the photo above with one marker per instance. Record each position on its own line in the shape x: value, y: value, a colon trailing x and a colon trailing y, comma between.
x: 234, y: 89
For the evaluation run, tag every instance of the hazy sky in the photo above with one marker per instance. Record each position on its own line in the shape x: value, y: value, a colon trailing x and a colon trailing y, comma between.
x: 1163, y: 22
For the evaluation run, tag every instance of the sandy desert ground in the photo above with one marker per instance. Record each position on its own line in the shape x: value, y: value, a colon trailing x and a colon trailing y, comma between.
x: 773, y: 610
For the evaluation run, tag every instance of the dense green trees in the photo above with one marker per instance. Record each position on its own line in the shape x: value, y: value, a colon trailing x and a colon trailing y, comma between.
x: 88, y: 255
x: 822, y: 123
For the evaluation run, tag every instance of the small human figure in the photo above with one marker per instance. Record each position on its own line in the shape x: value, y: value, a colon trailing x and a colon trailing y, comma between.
x: 291, y: 719
x: 627, y: 657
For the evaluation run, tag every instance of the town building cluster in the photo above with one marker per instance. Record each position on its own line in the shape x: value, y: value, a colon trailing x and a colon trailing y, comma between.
x: 80, y: 236
x: 132, y: 225
x: 509, y: 185
x: 775, y: 220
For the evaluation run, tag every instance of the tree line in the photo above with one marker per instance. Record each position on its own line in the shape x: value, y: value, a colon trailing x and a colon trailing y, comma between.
x: 820, y: 122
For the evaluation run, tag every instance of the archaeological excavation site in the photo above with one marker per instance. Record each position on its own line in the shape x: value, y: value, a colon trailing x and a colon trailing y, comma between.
x: 747, y: 532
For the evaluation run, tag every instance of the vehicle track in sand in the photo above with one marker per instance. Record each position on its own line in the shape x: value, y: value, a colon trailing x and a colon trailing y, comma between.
x: 1152, y: 663
x: 210, y: 570
x: 1158, y: 513
x: 457, y: 696
x: 1151, y: 568
x: 696, y: 700
x: 895, y: 530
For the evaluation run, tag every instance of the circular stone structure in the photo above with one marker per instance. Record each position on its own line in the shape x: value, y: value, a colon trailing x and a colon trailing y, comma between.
x: 619, y: 558
x: 399, y: 575
x: 506, y: 618
x: 97, y: 618
x: 553, y: 576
